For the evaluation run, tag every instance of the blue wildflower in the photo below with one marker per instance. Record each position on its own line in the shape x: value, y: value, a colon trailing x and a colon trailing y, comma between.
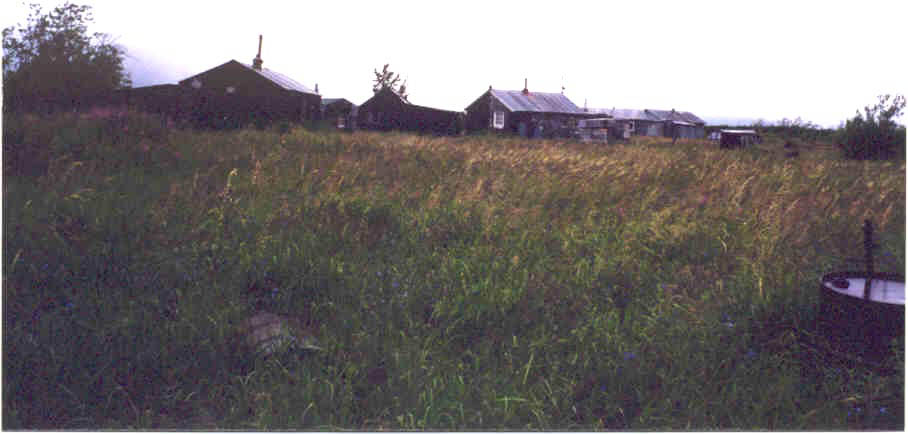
x: 751, y: 353
x: 395, y: 284
x: 629, y: 355
x: 883, y: 410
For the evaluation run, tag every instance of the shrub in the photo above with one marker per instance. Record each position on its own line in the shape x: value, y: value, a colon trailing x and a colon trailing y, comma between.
x: 875, y: 135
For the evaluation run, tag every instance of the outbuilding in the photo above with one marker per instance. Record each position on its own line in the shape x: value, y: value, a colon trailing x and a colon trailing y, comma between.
x: 731, y: 138
x: 339, y: 112
x: 387, y: 110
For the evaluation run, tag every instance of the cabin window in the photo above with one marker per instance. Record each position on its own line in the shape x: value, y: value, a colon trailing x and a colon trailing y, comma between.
x: 498, y: 120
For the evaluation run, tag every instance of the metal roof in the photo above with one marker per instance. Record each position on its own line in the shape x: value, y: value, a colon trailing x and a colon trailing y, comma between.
x: 672, y: 115
x: 326, y: 101
x: 517, y: 101
x: 281, y: 80
x: 651, y: 115
x: 747, y: 132
x: 626, y: 114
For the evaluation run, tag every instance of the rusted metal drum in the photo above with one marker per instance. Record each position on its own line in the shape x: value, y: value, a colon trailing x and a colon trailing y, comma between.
x: 863, y: 326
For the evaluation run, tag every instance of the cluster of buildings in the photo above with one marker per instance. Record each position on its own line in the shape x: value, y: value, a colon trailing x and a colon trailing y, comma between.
x: 236, y: 94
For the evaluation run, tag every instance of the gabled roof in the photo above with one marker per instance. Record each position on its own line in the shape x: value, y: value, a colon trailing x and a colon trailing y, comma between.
x: 517, y: 101
x: 404, y: 101
x: 621, y: 113
x: 327, y: 101
x: 671, y: 115
x: 651, y: 115
x: 280, y: 80
x: 388, y: 90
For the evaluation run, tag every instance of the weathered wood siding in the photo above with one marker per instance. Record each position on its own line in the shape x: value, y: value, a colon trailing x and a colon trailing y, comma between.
x: 385, y: 111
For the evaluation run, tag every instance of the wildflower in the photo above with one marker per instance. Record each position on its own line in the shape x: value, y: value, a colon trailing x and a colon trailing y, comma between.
x: 883, y: 410
x: 751, y: 353
x: 395, y: 284
x: 629, y: 355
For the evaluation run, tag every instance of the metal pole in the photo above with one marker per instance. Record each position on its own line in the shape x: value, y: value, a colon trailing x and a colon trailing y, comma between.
x: 868, y: 257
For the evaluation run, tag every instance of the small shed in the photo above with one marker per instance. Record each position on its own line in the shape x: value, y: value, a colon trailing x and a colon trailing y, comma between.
x: 339, y: 112
x: 602, y: 130
x: 528, y: 114
x: 387, y: 110
x: 732, y: 138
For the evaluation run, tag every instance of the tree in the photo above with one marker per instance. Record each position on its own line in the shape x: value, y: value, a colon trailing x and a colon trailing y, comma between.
x: 388, y: 79
x: 54, y: 64
x: 875, y: 134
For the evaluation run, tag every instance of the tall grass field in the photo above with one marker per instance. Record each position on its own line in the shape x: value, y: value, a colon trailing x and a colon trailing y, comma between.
x: 465, y: 283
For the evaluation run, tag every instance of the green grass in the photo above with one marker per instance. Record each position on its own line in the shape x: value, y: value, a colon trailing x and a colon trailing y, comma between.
x: 453, y: 283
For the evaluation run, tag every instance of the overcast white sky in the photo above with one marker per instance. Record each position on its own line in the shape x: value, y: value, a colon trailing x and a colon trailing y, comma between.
x: 820, y: 61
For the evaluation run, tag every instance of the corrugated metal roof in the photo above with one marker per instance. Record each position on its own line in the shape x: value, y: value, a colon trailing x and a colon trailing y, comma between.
x: 326, y: 101
x: 517, y: 101
x: 650, y: 115
x: 748, y: 132
x: 281, y: 80
x: 668, y: 115
x: 629, y: 114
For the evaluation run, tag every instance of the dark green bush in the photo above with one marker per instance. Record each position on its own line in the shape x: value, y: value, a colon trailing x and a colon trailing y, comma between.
x: 874, y: 135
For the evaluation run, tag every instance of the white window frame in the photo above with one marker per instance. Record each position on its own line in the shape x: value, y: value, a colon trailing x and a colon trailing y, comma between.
x: 498, y: 119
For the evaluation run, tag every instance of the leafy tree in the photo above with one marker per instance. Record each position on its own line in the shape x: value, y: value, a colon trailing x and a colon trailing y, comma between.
x: 875, y: 134
x: 388, y: 79
x: 54, y: 64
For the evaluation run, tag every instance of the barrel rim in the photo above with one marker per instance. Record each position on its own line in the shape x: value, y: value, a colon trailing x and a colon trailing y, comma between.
x: 862, y: 274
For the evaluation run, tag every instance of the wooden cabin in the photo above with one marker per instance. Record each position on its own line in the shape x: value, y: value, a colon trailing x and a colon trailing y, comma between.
x: 525, y: 113
x: 339, y: 112
x: 387, y: 110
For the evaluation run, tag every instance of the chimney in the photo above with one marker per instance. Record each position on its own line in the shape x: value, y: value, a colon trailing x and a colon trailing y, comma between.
x: 526, y: 91
x: 257, y: 62
x: 316, y: 87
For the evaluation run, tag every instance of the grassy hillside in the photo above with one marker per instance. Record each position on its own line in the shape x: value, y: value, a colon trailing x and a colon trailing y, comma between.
x: 452, y: 283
